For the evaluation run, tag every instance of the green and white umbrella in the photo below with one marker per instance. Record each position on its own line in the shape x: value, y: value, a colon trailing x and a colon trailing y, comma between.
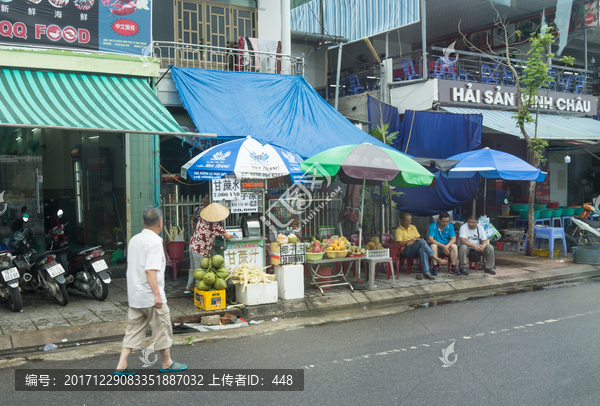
x: 368, y: 165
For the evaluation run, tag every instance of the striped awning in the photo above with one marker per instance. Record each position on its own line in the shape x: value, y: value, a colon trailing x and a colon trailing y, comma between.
x: 77, y: 101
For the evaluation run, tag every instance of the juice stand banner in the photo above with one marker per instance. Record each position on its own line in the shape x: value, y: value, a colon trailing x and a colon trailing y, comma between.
x: 119, y: 26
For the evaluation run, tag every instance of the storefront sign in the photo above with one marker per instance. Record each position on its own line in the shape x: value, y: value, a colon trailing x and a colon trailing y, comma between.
x: 248, y: 185
x: 247, y: 204
x: 478, y: 94
x: 119, y: 26
x: 250, y: 253
x: 226, y: 189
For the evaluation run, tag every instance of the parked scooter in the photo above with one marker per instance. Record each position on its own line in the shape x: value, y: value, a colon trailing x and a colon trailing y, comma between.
x: 39, y: 271
x: 9, y: 282
x: 583, y: 231
x: 86, y: 270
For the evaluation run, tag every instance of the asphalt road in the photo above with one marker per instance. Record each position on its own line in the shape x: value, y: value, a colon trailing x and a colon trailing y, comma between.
x: 537, y: 348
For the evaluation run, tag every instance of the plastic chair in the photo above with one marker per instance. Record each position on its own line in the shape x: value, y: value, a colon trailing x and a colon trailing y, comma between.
x: 175, y: 264
x: 507, y: 77
x: 488, y: 75
x: 437, y: 70
x: 387, y: 238
x: 409, y: 70
x: 565, y: 82
x: 580, y: 83
x: 355, y: 87
x: 354, y: 240
x: 409, y: 262
x: 551, y: 84
x: 550, y: 234
x: 463, y: 75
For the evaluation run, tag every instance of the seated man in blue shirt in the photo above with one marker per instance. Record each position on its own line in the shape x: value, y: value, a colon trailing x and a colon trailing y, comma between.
x: 442, y: 239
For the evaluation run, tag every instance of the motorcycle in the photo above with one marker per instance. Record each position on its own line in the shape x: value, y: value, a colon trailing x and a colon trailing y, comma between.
x: 39, y: 270
x: 9, y: 283
x: 582, y: 230
x: 86, y: 270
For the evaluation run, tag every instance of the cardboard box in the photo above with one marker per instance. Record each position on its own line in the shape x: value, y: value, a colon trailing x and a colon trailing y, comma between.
x: 287, y: 254
x: 260, y: 293
x: 209, y: 300
x: 290, y: 281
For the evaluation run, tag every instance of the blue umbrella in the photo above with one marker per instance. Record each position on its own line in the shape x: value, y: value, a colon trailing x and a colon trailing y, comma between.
x: 493, y: 164
x: 246, y: 158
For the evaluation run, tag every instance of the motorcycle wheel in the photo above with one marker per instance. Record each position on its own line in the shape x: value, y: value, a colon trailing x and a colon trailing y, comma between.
x: 14, y: 299
x: 61, y: 296
x: 100, y: 292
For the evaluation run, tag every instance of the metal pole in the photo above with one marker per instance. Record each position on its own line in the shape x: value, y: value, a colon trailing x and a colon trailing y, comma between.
x: 423, y: 38
x: 337, y: 76
x: 484, y: 193
x: 585, y: 49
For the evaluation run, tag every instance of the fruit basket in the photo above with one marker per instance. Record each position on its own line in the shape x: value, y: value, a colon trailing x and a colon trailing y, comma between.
x: 314, y: 256
x: 336, y: 254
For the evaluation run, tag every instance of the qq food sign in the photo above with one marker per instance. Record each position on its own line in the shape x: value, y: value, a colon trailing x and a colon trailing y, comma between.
x: 120, y: 26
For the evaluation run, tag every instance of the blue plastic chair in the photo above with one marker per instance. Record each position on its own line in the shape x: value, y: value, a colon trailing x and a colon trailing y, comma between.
x: 463, y: 75
x: 409, y: 69
x: 551, y: 84
x: 355, y: 87
x: 565, y: 82
x: 507, y: 77
x: 488, y: 75
x: 580, y: 83
x: 550, y: 234
x: 437, y: 70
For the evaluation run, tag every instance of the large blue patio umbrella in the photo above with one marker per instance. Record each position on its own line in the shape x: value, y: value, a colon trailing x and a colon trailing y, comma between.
x: 493, y: 164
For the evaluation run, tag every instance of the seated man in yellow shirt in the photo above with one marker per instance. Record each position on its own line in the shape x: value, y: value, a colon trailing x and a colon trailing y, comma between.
x: 415, y: 247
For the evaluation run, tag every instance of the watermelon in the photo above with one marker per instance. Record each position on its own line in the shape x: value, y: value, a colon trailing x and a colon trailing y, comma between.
x: 209, y: 278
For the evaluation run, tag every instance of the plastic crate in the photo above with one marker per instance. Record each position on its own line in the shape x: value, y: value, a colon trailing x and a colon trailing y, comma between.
x: 370, y: 254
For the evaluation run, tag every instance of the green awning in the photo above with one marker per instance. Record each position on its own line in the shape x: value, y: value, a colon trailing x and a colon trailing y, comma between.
x: 77, y: 101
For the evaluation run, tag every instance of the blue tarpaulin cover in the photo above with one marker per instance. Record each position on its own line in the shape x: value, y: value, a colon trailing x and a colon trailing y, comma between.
x: 438, y: 135
x: 281, y: 110
x: 379, y: 112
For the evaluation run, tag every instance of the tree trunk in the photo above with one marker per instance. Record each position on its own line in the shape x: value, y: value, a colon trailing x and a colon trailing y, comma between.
x: 531, y: 220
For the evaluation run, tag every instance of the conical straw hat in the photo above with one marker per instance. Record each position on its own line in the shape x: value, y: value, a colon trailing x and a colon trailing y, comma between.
x: 214, y: 212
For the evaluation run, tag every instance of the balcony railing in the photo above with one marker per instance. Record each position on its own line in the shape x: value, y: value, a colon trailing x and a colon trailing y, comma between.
x: 474, y: 67
x: 227, y: 59
x: 467, y: 67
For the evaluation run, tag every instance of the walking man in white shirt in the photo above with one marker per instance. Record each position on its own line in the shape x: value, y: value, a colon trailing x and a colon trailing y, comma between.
x: 146, y: 295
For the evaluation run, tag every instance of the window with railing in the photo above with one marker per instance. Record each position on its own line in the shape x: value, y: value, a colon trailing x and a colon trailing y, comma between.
x: 202, y: 22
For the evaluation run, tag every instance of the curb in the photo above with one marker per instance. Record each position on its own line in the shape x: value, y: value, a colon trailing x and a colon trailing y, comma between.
x: 16, y: 343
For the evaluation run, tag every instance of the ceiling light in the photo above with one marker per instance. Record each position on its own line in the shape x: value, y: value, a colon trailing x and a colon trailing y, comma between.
x: 375, y: 77
x: 567, y: 159
x: 92, y: 137
x: 593, y: 60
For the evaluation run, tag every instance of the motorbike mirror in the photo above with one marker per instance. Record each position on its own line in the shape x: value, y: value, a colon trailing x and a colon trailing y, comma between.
x: 59, y: 213
x: 25, y: 217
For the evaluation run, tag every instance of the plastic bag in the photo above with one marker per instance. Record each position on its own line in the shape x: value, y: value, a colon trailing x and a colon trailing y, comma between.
x: 490, y: 231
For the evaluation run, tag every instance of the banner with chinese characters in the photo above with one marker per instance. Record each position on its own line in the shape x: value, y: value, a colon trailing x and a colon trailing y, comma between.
x: 226, y: 189
x: 247, y: 204
x: 119, y: 26
x: 244, y: 252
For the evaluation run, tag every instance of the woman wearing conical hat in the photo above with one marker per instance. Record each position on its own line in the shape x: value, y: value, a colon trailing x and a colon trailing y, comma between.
x: 207, y: 229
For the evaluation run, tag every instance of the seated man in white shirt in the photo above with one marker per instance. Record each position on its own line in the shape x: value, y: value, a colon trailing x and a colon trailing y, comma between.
x: 472, y: 237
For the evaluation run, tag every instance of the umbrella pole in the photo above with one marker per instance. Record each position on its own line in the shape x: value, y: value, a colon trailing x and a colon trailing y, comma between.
x: 484, y: 192
x: 360, y: 223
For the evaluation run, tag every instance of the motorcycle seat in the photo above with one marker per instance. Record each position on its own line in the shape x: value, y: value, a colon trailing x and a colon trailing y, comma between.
x: 39, y: 255
x: 591, y: 223
x: 75, y: 253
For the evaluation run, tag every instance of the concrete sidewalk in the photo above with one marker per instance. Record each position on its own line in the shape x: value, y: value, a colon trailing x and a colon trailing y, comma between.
x: 87, y: 320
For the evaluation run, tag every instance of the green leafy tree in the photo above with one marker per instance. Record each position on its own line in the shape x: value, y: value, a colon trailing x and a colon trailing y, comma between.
x: 534, y: 78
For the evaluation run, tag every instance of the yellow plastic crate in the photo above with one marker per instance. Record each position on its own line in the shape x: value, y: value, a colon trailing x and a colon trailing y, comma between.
x: 209, y: 300
x: 544, y: 252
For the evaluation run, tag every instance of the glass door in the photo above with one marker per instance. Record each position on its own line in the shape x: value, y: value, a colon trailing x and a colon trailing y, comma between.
x: 21, y: 180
